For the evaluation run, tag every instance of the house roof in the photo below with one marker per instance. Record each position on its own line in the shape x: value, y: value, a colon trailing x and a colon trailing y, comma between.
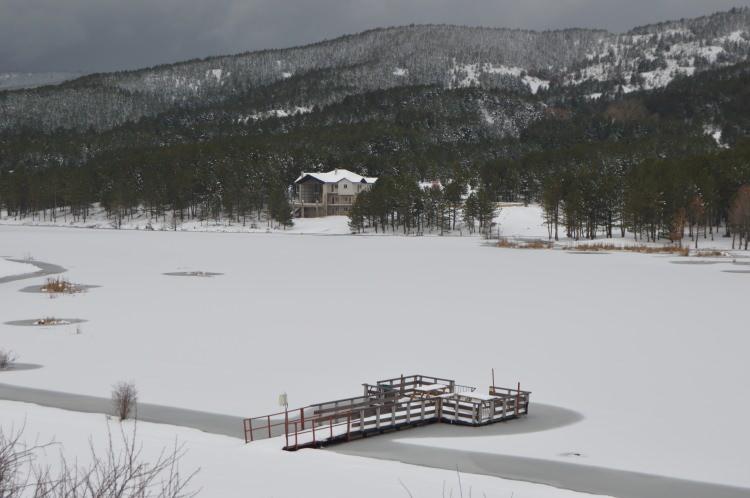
x: 335, y: 176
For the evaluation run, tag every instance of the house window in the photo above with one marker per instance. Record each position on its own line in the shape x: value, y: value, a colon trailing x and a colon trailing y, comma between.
x: 345, y: 185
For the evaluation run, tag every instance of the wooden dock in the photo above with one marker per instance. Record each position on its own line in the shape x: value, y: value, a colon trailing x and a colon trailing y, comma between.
x: 389, y: 405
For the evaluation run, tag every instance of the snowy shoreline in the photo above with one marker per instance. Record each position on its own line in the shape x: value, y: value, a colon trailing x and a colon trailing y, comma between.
x: 569, y: 476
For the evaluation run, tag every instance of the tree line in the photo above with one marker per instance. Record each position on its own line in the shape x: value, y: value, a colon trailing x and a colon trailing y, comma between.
x: 401, y: 203
x: 585, y: 192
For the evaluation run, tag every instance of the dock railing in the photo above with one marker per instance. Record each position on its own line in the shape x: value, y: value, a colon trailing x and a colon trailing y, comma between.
x: 358, y: 423
x: 388, y: 405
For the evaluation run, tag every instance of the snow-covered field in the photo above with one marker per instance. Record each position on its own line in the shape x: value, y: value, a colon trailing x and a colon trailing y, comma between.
x: 652, y: 354
x: 331, y: 225
x: 228, y: 468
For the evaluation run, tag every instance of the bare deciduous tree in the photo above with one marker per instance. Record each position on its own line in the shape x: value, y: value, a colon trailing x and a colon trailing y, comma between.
x: 113, y: 473
x: 7, y: 358
x: 124, y: 398
x: 739, y: 216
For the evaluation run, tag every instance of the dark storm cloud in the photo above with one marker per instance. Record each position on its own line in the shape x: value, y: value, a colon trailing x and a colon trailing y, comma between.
x: 101, y: 35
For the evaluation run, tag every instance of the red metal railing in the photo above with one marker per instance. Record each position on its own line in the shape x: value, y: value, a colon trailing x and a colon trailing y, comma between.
x: 272, y: 425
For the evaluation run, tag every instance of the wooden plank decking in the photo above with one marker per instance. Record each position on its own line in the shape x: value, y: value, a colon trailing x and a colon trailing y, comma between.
x: 391, y: 404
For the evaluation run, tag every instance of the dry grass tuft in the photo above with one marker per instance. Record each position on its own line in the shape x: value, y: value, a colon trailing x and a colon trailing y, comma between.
x: 710, y: 254
x: 59, y: 286
x: 50, y: 320
x: 514, y: 244
x: 681, y: 251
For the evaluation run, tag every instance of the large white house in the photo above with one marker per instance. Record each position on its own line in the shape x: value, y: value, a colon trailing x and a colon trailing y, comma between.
x: 327, y: 194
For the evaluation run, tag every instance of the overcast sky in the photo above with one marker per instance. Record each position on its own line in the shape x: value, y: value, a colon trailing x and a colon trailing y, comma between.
x: 103, y: 35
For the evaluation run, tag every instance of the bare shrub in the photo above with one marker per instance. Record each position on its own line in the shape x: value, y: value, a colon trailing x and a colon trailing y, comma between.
x: 120, y: 471
x: 124, y: 399
x: 7, y: 358
x: 13, y: 458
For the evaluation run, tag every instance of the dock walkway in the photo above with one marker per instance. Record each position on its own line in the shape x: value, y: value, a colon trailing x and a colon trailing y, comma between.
x: 389, y: 405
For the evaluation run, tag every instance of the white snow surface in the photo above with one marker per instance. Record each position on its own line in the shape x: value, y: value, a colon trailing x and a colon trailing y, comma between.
x: 466, y: 75
x: 739, y: 36
x: 336, y: 175
x: 714, y: 131
x: 10, y: 268
x: 516, y: 220
x: 338, y: 225
x: 229, y: 468
x: 632, y: 342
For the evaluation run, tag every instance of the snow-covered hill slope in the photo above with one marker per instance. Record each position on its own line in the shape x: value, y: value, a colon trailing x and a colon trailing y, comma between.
x: 443, y: 55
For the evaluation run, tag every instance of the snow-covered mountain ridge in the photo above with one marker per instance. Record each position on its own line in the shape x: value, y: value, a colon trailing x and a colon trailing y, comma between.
x: 18, y: 81
x: 442, y: 55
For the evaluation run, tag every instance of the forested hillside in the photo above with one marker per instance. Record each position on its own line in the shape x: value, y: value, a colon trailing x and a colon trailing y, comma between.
x: 443, y: 56
x: 606, y: 131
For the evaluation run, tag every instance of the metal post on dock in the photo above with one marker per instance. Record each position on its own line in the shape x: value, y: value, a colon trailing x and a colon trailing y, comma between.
x: 286, y: 427
x: 518, y: 398
x: 269, y: 426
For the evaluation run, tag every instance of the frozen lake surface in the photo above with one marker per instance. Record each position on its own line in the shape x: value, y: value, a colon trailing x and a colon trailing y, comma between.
x: 651, y: 354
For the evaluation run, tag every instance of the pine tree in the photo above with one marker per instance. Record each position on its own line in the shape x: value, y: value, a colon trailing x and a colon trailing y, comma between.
x: 279, y: 208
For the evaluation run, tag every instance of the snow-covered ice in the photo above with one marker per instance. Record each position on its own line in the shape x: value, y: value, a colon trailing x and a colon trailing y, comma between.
x: 652, y: 354
x: 10, y: 268
x: 228, y: 468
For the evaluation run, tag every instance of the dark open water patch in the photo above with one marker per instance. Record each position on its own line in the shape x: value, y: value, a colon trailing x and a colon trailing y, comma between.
x: 736, y: 271
x: 41, y: 322
x: 18, y: 367
x: 44, y: 269
x: 204, y: 274
x: 696, y: 262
